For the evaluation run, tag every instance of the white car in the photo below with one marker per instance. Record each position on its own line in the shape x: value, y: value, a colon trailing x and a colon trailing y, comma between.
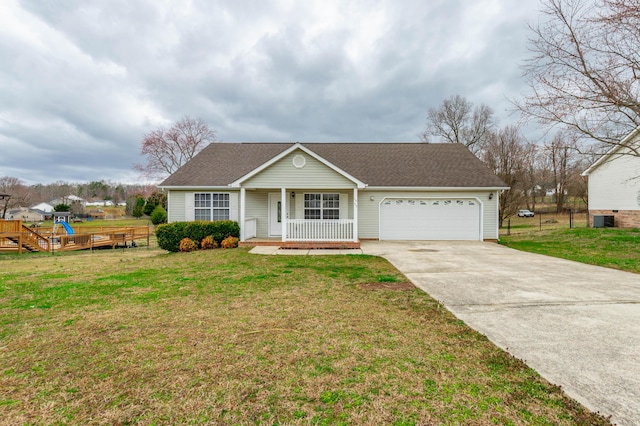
x: 525, y: 213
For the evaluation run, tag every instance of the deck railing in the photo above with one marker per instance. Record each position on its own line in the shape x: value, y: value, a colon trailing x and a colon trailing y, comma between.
x: 13, y: 235
x: 320, y: 230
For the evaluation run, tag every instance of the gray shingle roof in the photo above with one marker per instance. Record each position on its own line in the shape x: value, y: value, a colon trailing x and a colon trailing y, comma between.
x: 375, y: 164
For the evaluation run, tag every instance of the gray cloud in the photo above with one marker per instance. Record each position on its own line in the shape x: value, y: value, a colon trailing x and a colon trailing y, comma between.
x: 82, y: 81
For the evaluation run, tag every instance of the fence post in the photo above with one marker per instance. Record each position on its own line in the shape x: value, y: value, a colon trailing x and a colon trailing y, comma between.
x: 509, y: 226
x: 540, y: 217
x: 570, y: 219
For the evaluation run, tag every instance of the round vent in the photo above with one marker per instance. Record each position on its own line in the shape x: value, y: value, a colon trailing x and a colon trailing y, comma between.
x: 299, y: 161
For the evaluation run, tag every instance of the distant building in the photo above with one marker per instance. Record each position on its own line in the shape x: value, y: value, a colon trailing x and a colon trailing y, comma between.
x: 26, y: 214
x: 69, y: 199
x: 45, y: 207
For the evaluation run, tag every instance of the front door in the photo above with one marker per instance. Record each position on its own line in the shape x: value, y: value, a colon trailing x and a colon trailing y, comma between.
x: 275, y: 214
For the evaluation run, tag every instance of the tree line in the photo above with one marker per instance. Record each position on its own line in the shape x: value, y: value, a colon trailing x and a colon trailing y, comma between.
x: 18, y: 194
x: 531, y: 170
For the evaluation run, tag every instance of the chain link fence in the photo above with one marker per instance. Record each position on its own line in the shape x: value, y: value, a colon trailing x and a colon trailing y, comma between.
x: 545, y: 219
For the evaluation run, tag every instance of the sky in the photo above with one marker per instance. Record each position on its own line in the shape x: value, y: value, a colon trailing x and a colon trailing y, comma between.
x: 82, y: 81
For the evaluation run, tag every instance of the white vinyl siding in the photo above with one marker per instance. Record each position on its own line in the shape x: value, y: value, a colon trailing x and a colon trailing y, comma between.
x: 615, y: 184
x: 176, y: 206
x: 257, y: 207
x: 181, y: 205
x: 314, y: 175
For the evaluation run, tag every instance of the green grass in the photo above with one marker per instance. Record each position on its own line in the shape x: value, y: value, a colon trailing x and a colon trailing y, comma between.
x: 140, y: 336
x: 609, y: 247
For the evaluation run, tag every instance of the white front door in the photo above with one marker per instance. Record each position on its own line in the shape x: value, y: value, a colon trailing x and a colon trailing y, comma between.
x: 275, y: 214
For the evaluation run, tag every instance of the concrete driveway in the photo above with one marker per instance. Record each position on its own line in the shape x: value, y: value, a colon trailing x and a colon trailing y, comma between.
x: 577, y: 325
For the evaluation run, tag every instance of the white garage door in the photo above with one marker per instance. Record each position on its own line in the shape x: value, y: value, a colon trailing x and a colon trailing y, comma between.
x: 430, y: 219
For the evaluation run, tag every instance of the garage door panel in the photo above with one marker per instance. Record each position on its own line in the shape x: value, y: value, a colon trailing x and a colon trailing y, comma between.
x: 432, y: 219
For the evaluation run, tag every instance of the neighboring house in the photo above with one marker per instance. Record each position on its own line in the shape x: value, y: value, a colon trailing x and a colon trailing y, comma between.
x: 45, y: 207
x: 26, y: 214
x: 68, y: 200
x: 614, y: 183
x: 339, y: 192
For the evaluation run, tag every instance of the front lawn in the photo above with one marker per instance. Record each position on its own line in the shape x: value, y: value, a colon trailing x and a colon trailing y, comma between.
x: 139, y: 336
x: 611, y: 247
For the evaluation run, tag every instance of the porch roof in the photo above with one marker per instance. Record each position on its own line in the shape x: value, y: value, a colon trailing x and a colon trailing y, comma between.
x: 374, y: 164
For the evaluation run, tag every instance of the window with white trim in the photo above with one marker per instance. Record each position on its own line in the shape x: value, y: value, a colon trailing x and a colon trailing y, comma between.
x: 322, y: 206
x: 211, y: 206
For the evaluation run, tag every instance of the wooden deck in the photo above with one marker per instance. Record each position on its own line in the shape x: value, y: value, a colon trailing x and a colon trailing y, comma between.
x: 18, y: 238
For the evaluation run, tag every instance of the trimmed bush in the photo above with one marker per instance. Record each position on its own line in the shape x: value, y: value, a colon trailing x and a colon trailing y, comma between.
x: 187, y: 245
x: 229, y: 242
x: 208, y: 243
x: 169, y: 235
x: 159, y: 215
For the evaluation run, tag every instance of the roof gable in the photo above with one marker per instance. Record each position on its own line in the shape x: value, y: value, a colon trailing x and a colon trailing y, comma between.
x: 297, y: 147
x: 627, y: 141
x: 370, y: 164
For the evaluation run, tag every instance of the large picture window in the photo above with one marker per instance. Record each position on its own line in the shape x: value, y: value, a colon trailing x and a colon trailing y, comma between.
x: 211, y: 206
x: 322, y: 206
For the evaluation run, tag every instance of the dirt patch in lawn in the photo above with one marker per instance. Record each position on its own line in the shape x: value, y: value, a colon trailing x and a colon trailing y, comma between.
x: 403, y: 286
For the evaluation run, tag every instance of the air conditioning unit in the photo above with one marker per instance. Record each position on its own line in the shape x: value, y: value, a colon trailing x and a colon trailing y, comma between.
x: 603, y: 221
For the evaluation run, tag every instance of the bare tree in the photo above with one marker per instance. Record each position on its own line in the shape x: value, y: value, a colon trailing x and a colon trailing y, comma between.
x: 168, y: 149
x: 458, y: 121
x: 530, y: 182
x: 16, y: 194
x: 584, y: 72
x: 507, y: 154
x: 562, y: 163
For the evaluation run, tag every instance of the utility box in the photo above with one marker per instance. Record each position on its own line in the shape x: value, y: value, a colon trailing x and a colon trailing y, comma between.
x: 603, y: 221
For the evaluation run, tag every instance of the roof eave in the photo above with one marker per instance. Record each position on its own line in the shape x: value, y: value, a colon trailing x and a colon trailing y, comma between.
x: 623, y: 143
x: 437, y: 188
x: 195, y: 187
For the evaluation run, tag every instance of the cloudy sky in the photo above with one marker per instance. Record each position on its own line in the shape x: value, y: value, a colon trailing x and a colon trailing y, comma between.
x: 82, y: 81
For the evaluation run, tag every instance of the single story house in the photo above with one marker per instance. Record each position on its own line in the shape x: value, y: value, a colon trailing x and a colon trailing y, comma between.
x: 339, y: 192
x: 68, y: 200
x: 28, y: 214
x: 614, y: 183
x: 45, y: 207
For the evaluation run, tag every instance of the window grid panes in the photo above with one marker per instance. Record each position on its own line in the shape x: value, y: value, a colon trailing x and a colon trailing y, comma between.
x: 211, y: 206
x: 322, y: 206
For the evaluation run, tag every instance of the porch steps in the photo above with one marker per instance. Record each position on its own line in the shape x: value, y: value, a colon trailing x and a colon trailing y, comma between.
x: 27, y: 244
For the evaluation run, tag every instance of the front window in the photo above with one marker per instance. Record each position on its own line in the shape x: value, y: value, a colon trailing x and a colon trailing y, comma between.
x: 211, y: 206
x: 322, y: 206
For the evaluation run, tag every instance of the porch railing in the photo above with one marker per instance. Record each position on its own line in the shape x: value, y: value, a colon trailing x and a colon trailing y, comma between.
x: 250, y: 227
x: 320, y: 230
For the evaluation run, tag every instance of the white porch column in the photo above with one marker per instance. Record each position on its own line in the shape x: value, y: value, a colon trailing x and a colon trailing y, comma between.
x: 355, y: 214
x: 242, y: 214
x: 284, y: 214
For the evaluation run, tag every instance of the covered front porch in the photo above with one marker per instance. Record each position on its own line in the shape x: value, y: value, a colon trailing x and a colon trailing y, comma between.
x: 299, y: 218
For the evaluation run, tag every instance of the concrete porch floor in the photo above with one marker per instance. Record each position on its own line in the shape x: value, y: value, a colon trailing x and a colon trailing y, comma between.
x: 276, y: 250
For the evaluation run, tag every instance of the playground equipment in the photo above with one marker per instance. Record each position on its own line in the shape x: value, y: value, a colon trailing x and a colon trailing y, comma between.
x: 16, y: 237
x: 65, y: 225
